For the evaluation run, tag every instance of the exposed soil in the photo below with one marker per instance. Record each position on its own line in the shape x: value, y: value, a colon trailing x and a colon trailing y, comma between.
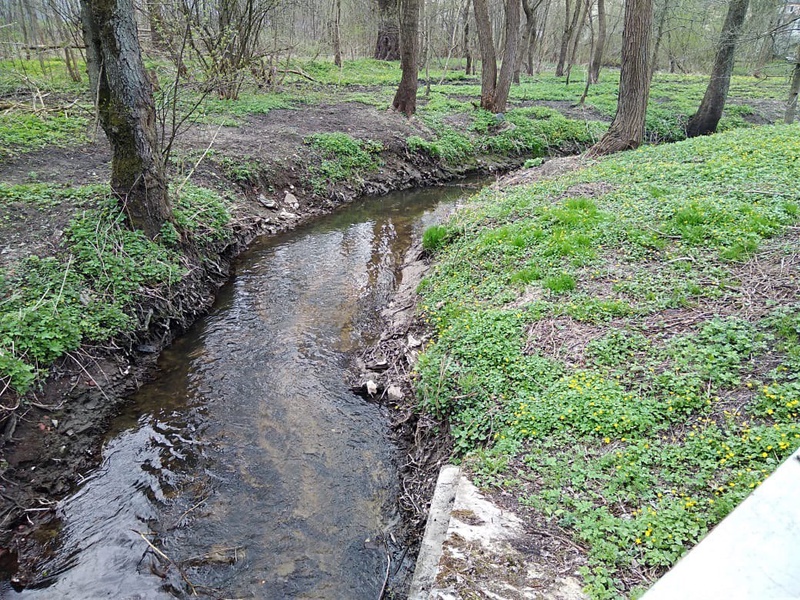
x: 385, y: 376
x: 53, y: 439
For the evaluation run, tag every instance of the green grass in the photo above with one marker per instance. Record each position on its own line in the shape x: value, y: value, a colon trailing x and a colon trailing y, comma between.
x: 87, y: 291
x: 367, y: 72
x: 29, y: 77
x: 673, y: 98
x: 606, y: 351
x: 233, y: 112
x: 532, y: 131
x: 340, y: 158
x: 24, y: 131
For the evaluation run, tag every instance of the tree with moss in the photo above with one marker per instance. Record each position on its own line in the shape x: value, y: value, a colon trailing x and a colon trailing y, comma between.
x: 126, y: 111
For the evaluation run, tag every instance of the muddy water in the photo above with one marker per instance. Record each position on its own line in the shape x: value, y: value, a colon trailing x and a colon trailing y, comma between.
x: 248, y: 462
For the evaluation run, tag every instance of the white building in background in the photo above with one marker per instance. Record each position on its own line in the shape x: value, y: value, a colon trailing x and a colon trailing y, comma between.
x: 788, y: 36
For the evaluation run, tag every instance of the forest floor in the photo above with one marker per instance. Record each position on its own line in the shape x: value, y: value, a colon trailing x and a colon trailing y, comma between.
x: 258, y: 166
x: 616, y: 350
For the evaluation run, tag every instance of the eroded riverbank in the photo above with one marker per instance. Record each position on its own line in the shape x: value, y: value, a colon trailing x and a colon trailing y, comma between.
x: 248, y: 462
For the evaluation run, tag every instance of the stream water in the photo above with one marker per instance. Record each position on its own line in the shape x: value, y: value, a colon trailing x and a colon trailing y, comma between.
x: 249, y: 461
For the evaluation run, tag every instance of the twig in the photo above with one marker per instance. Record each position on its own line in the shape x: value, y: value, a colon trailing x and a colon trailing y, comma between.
x: 386, y: 577
x: 179, y: 519
x: 97, y: 385
x: 199, y: 160
x: 46, y: 407
x: 299, y: 72
x: 169, y: 560
x: 63, y: 283
x: 558, y: 537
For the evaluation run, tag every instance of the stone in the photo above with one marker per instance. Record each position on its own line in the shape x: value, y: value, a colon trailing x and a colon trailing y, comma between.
x: 372, y: 388
x: 291, y: 200
x: 266, y: 202
x: 286, y: 215
x: 394, y: 393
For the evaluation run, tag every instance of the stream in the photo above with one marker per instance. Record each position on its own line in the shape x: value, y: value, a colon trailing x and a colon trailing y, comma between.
x: 248, y: 461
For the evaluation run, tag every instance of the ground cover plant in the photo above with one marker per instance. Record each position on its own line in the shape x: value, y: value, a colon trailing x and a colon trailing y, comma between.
x: 618, y: 349
x: 86, y: 290
x: 341, y: 158
x: 48, y: 108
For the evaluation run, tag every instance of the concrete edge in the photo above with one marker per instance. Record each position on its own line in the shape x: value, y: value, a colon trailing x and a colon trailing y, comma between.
x: 754, y: 552
x: 436, y: 527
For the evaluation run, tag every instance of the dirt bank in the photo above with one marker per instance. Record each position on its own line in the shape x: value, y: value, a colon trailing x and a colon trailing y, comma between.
x: 383, y: 374
x: 53, y: 439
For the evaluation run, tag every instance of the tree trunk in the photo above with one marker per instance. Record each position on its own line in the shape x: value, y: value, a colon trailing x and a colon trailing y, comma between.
x: 588, y: 83
x: 791, y: 105
x: 127, y: 112
x: 494, y: 89
x: 767, y: 51
x: 337, y: 39
x: 576, y: 37
x: 387, y: 47
x: 509, y: 57
x: 627, y: 129
x: 570, y: 23
x: 662, y: 18
x: 536, y: 40
x: 599, y: 44
x: 488, y: 57
x: 155, y: 17
x: 527, y: 37
x: 707, y: 117
x: 405, y: 100
x: 469, y: 69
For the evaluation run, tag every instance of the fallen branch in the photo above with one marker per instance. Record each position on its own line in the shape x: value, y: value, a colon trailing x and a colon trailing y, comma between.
x: 169, y: 560
x: 298, y: 72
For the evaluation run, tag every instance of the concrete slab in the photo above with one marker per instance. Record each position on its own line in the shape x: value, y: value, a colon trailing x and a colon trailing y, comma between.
x: 435, y: 531
x: 753, y: 553
x: 473, y: 548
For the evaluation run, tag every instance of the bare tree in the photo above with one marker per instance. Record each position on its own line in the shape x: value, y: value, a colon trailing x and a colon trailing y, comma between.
x: 336, y: 33
x: 127, y: 113
x: 599, y: 43
x: 528, y: 37
x: 576, y: 37
x: 222, y: 36
x: 469, y: 68
x: 405, y: 99
x: 627, y: 129
x: 707, y: 117
x: 494, y: 88
x: 791, y: 104
x: 572, y: 12
x: 662, y: 19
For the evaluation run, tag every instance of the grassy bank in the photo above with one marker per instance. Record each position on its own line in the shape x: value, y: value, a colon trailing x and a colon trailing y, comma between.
x: 92, y: 286
x: 619, y: 348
